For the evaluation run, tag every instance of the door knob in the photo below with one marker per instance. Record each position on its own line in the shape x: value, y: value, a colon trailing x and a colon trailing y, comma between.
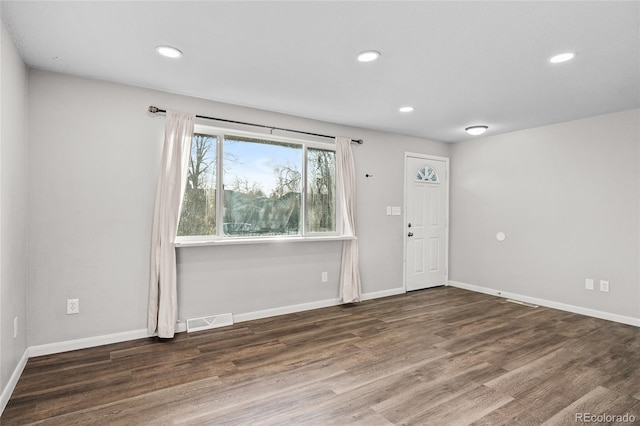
x: 410, y: 234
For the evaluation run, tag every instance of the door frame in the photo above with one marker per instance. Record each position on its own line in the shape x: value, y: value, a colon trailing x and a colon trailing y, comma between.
x: 404, y: 215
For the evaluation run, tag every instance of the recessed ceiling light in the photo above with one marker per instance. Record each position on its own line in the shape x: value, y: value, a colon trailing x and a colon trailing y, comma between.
x: 368, y: 56
x: 476, y: 130
x: 406, y: 109
x: 168, y: 51
x: 563, y: 57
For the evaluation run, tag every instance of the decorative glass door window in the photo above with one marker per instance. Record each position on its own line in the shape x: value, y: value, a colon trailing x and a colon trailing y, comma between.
x: 427, y: 174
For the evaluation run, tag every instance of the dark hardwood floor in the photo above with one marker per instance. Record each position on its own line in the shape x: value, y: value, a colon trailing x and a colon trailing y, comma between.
x: 442, y: 356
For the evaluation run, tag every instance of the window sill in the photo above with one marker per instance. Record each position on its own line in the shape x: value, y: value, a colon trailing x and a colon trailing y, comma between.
x: 236, y: 241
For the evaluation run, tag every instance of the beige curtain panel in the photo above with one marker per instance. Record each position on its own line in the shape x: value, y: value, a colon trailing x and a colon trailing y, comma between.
x: 163, y: 300
x: 350, y: 287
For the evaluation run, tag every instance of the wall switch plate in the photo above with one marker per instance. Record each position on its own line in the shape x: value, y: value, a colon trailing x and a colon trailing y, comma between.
x: 604, y: 286
x: 388, y: 210
x: 325, y: 277
x: 73, y: 306
x: 588, y: 284
x: 396, y: 210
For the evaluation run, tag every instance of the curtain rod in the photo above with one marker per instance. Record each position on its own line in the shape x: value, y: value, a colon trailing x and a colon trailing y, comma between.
x: 155, y: 110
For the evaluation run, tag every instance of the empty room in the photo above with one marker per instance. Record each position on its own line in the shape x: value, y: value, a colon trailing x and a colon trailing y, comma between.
x: 319, y: 212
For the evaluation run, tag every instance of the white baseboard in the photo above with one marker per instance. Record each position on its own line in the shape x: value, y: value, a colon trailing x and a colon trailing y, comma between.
x: 13, y: 380
x: 266, y: 313
x: 383, y: 293
x: 309, y: 306
x: 549, y: 304
x: 87, y: 342
x: 181, y: 327
x: 69, y: 345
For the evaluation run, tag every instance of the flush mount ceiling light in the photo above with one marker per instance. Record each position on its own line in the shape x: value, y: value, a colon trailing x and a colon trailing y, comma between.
x: 476, y: 130
x: 563, y: 57
x: 368, y: 56
x: 168, y: 51
x: 406, y: 109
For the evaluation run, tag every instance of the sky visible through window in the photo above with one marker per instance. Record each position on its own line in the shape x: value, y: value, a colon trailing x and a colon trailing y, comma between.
x: 256, y: 163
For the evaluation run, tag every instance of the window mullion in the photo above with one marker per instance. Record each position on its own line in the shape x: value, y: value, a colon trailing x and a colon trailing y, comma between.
x: 220, y: 186
x: 303, y: 192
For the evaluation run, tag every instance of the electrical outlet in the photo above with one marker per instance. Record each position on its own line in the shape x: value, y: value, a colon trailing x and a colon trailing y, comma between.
x: 73, y: 306
x: 15, y: 327
x: 604, y: 286
x: 325, y: 277
x: 588, y: 283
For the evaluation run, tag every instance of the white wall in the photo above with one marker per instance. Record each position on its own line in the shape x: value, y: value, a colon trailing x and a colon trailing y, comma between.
x: 567, y: 198
x: 13, y: 206
x: 94, y: 157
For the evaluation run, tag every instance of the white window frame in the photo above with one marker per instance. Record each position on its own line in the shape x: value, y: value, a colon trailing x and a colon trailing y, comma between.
x: 220, y: 238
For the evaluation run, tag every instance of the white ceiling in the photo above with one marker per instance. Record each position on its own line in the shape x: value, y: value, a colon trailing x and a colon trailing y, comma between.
x: 458, y: 63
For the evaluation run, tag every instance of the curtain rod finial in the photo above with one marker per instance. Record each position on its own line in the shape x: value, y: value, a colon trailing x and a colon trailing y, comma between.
x: 153, y: 109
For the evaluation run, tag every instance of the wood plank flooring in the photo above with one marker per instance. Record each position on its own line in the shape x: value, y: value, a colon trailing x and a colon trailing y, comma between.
x: 441, y: 356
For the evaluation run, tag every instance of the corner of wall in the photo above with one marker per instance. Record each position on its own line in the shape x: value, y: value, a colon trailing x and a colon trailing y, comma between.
x: 13, y: 209
x: 8, y: 389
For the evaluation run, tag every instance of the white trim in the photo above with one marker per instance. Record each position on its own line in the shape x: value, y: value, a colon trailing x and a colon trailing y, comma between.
x: 266, y: 313
x: 87, y: 342
x: 447, y: 163
x: 69, y: 345
x: 248, y: 316
x: 203, y: 241
x: 383, y: 293
x: 181, y: 326
x: 13, y: 380
x: 427, y: 156
x: 550, y: 304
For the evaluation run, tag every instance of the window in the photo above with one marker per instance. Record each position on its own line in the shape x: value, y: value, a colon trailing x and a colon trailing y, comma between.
x: 427, y: 174
x: 269, y: 187
x: 321, y: 190
x: 262, y: 184
x: 198, y: 215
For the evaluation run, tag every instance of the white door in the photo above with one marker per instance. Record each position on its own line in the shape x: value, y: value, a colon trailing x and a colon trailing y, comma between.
x: 426, y: 222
